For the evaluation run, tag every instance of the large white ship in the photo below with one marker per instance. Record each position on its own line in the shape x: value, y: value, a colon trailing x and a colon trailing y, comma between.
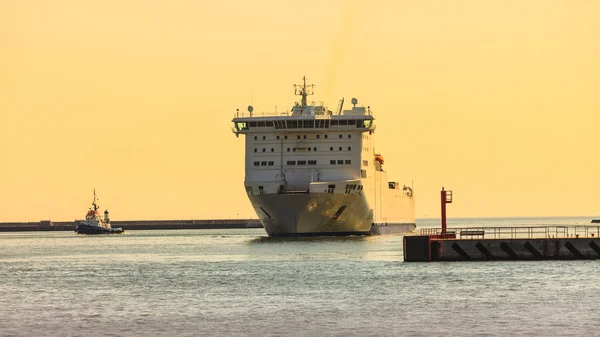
x: 312, y: 171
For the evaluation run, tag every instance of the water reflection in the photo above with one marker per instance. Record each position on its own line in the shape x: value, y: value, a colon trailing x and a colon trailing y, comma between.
x: 311, y: 239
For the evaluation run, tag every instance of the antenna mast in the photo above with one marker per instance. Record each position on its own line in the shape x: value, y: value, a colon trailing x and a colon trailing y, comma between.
x: 94, y: 203
x: 304, y: 90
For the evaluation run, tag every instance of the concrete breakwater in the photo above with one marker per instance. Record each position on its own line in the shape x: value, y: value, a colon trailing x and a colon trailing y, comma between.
x: 47, y: 225
x: 504, y: 243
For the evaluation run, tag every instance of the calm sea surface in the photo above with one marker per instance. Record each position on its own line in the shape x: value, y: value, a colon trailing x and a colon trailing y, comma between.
x: 239, y: 282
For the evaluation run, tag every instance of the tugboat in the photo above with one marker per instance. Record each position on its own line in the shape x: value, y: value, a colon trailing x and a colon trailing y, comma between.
x: 94, y: 223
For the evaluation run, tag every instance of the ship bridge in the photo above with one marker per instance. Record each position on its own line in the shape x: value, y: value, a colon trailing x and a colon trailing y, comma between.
x: 305, y: 116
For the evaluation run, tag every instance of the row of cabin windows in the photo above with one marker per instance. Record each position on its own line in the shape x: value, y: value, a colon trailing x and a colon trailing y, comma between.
x: 354, y: 187
x: 264, y: 150
x: 303, y: 137
x: 319, y: 124
x: 302, y: 162
x: 293, y: 149
x: 308, y: 124
x: 301, y: 149
x: 264, y: 163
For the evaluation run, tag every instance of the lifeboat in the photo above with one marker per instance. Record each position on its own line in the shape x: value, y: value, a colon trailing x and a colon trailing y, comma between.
x: 379, y: 158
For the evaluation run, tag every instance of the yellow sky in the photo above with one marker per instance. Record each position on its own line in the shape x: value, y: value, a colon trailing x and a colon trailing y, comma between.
x: 496, y: 100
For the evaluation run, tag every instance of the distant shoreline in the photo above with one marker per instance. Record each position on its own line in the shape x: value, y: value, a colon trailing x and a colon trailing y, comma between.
x: 46, y: 225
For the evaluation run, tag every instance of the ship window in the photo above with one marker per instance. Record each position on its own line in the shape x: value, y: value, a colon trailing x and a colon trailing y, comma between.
x: 327, y: 123
x: 392, y: 185
x: 255, y: 150
x: 261, y: 124
x: 301, y: 162
x: 271, y: 163
x: 312, y: 162
x: 269, y: 123
x: 288, y: 149
x: 367, y: 123
x: 349, y: 136
x: 350, y: 122
x: 349, y: 148
x: 264, y: 150
x: 343, y: 122
x: 314, y: 149
x: 330, y: 148
x: 340, y: 162
x: 272, y: 150
x: 318, y: 136
x: 242, y: 126
x: 256, y: 163
x: 255, y: 137
x: 365, y: 163
x: 263, y: 163
x: 309, y: 149
x: 284, y: 137
x: 332, y: 162
x: 304, y: 137
x: 298, y: 136
x: 326, y: 136
x: 264, y: 137
x: 363, y: 173
x: 348, y: 161
x: 291, y: 162
x: 359, y: 123
x: 335, y: 122
x: 340, y: 148
x: 252, y: 124
x: 277, y: 137
x: 294, y: 149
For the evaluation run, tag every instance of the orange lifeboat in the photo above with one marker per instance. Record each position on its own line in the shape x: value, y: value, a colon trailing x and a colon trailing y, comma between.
x: 379, y: 158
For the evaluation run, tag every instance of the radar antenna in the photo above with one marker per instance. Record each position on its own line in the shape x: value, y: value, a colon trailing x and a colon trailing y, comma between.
x: 304, y: 90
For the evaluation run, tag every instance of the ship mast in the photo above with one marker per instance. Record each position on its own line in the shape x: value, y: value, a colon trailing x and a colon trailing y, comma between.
x: 304, y: 90
x: 94, y: 203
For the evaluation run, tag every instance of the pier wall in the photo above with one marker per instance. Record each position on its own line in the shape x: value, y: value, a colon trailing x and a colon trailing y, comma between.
x: 423, y: 248
x: 47, y: 225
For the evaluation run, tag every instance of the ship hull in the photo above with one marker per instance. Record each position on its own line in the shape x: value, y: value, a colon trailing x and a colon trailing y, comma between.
x: 319, y: 214
x: 87, y: 229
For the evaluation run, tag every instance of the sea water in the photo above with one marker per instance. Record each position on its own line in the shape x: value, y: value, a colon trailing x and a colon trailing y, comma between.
x: 239, y: 282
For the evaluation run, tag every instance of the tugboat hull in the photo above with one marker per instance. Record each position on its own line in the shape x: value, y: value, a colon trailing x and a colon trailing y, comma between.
x: 87, y: 229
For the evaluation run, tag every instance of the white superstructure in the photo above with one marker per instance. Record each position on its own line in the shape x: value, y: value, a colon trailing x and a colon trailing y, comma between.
x: 315, y: 171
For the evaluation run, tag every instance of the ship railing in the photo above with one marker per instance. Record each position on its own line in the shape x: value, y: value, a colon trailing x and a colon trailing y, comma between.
x: 518, y: 232
x: 261, y: 114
